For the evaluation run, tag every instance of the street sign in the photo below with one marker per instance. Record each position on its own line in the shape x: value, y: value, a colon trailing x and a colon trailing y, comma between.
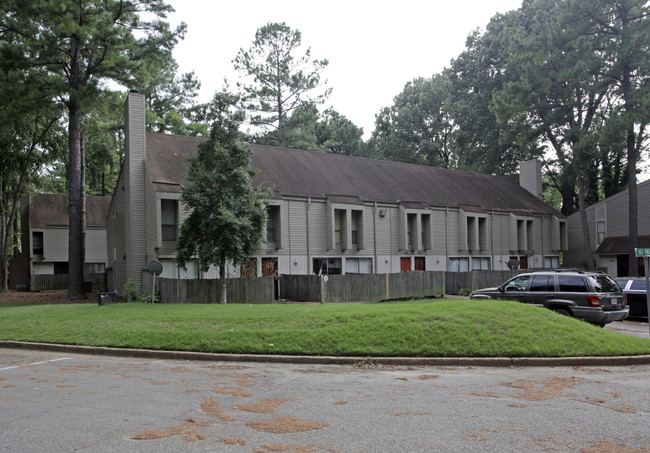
x: 642, y: 251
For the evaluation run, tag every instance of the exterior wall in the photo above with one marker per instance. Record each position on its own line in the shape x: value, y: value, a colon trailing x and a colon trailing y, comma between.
x: 614, y: 212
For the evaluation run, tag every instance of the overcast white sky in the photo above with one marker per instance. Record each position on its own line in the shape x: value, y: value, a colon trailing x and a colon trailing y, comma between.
x: 374, y: 47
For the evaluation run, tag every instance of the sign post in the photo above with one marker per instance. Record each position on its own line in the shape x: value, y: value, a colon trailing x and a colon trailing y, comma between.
x: 645, y: 253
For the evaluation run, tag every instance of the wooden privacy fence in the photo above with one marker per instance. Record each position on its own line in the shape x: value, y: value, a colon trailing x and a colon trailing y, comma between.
x: 361, y: 287
x: 240, y: 290
x: 337, y: 288
x: 457, y: 281
x: 45, y: 282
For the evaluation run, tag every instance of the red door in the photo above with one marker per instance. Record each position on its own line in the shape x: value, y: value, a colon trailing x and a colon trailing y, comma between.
x: 405, y: 264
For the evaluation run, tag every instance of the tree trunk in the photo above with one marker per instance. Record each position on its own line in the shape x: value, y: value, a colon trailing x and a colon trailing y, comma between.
x: 589, y: 257
x: 75, y: 206
x: 4, y: 242
x: 222, y: 278
x: 630, y: 141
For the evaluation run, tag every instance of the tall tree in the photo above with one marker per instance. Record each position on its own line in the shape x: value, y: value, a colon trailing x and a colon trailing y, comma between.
x: 30, y: 132
x: 80, y: 43
x: 227, y: 217
x: 338, y: 135
x: 418, y: 127
x: 623, y: 31
x: 171, y: 98
x: 484, y: 144
x: 277, y: 81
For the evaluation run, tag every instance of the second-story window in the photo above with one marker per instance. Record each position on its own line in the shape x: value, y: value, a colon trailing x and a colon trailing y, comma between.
x: 168, y: 216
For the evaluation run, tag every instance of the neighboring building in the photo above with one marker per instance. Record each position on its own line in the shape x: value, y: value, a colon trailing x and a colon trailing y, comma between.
x: 332, y: 214
x: 44, y: 237
x: 608, y: 223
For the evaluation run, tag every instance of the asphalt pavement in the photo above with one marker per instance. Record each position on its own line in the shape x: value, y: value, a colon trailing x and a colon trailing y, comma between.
x: 68, y: 402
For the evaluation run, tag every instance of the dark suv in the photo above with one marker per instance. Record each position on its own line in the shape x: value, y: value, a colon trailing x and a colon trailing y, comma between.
x: 592, y: 296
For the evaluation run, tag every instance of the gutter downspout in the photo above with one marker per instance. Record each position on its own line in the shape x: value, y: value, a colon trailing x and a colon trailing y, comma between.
x: 308, y: 234
x: 374, y: 234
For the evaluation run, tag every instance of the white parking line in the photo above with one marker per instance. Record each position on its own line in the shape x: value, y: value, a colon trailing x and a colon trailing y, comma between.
x: 35, y: 363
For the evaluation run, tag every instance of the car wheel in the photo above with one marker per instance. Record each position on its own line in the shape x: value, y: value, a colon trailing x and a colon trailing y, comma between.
x: 562, y: 311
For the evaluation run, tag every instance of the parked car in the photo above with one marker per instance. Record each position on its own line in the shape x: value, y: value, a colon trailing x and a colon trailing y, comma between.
x: 591, y: 296
x: 636, y: 292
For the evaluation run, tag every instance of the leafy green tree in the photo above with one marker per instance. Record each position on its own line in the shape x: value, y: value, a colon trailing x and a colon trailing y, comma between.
x: 30, y: 133
x: 227, y: 217
x: 78, y: 44
x: 170, y: 98
x: 339, y: 135
x: 483, y: 143
x: 278, y: 80
x: 418, y: 127
x: 622, y: 30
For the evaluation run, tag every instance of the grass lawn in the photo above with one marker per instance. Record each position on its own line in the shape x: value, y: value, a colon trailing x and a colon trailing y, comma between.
x: 426, y: 328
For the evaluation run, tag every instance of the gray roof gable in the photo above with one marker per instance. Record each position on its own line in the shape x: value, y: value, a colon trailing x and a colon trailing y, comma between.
x: 313, y: 174
x: 51, y: 210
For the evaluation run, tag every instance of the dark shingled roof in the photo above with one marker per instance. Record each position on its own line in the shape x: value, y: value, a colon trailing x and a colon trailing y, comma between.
x: 617, y: 245
x: 306, y: 173
x: 48, y: 210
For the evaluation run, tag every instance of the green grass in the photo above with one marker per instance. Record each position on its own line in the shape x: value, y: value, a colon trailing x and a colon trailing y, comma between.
x: 428, y: 328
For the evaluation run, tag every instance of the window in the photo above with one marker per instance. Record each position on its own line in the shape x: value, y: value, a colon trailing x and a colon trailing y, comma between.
x: 552, y: 262
x: 357, y: 229
x: 542, y: 283
x: 601, y: 230
x: 481, y: 264
x: 37, y: 243
x: 572, y: 284
x: 272, y: 225
x: 458, y: 264
x: 168, y: 215
x: 426, y: 231
x: 94, y: 268
x: 339, y: 223
x: 61, y: 268
x: 411, y: 231
x: 358, y: 266
x: 327, y: 266
x: 517, y: 283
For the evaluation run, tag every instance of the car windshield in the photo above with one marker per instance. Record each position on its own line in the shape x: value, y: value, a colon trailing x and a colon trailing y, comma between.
x: 605, y: 284
x: 638, y: 284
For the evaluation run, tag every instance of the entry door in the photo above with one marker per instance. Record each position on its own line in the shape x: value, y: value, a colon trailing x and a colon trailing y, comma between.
x: 405, y: 264
x: 420, y: 263
x: 270, y: 269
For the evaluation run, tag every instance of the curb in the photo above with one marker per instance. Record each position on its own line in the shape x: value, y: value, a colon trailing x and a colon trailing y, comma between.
x: 332, y: 360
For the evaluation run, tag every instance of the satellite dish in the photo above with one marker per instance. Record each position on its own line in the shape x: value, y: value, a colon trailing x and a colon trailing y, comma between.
x: 155, y: 268
x: 513, y: 264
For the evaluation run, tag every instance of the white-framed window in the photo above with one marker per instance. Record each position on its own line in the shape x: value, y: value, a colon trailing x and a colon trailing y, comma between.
x: 458, y: 264
x: 552, y: 262
x: 358, y: 266
x: 601, y: 230
x: 481, y: 264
